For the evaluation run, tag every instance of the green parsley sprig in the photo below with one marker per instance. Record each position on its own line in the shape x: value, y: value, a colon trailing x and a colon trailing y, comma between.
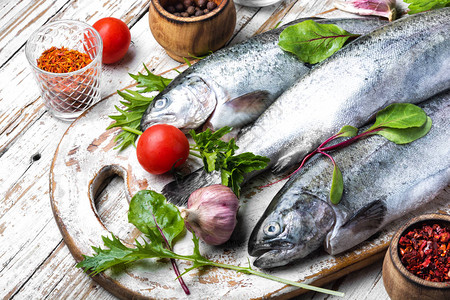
x: 218, y: 155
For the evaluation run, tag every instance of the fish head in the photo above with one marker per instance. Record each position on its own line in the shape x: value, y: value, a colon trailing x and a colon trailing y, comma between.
x: 291, y: 231
x: 185, y: 104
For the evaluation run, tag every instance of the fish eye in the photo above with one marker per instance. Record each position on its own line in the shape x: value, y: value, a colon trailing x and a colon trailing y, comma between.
x: 272, y: 229
x: 160, y: 103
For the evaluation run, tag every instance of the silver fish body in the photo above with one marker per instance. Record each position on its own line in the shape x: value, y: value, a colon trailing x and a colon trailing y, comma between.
x: 405, y: 61
x: 233, y: 86
x: 382, y: 182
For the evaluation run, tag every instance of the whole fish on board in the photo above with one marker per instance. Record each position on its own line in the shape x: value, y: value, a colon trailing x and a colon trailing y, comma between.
x: 233, y: 86
x: 382, y: 182
x: 405, y: 61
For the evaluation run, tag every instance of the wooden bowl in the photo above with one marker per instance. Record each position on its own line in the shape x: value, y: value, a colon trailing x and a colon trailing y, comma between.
x: 192, y: 36
x: 402, y: 284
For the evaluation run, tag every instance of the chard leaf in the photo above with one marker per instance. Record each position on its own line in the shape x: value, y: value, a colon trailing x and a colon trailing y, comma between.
x: 337, y: 186
x: 150, y: 82
x: 348, y: 131
x: 416, y: 6
x: 146, y: 206
x: 400, y: 115
x: 312, y: 42
x: 407, y: 135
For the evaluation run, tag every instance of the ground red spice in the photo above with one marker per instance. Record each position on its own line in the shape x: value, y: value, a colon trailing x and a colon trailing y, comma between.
x: 425, y: 252
x: 62, y: 60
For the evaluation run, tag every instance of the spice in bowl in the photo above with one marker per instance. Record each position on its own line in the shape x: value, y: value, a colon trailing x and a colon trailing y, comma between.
x: 62, y: 60
x: 191, y: 8
x: 425, y: 251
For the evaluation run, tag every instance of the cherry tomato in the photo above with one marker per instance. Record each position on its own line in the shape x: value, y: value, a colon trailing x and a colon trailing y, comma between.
x: 162, y: 147
x: 116, y: 39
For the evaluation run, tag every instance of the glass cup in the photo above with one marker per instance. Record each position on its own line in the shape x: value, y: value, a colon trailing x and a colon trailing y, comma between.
x: 67, y: 95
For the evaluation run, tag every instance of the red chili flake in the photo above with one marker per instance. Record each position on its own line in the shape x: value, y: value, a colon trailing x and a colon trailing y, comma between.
x: 62, y: 60
x: 425, y: 252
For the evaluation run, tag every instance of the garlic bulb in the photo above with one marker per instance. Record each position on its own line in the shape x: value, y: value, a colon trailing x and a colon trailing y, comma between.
x: 211, y: 213
x: 382, y: 8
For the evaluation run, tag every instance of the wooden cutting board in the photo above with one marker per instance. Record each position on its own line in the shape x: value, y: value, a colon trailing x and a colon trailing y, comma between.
x: 85, y: 160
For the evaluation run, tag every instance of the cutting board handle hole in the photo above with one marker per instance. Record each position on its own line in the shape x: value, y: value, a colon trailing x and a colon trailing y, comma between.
x: 108, y: 186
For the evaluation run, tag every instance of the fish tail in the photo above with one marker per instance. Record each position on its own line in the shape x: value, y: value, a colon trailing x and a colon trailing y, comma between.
x: 177, y: 192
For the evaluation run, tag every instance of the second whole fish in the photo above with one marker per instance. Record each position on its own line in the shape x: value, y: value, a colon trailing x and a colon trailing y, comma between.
x: 405, y: 61
x: 234, y: 85
x: 382, y: 182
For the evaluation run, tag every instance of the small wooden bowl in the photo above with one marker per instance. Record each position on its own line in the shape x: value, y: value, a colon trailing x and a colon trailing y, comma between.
x: 192, y: 36
x: 402, y: 284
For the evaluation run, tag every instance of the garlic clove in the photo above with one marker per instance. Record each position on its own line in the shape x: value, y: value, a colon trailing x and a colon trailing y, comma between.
x: 211, y: 213
x: 382, y: 8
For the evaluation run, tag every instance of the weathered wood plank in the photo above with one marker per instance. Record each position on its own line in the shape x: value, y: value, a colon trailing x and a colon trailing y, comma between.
x: 19, y: 19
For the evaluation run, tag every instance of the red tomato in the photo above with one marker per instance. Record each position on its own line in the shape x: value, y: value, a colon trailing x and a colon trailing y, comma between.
x: 116, y: 39
x: 162, y: 147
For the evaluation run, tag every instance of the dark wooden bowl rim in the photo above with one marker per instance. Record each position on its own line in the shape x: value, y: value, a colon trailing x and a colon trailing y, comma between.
x: 393, y: 251
x: 165, y: 14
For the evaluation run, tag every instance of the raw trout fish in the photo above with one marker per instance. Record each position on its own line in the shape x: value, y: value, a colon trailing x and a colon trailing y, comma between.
x: 382, y: 182
x: 405, y: 61
x: 233, y: 86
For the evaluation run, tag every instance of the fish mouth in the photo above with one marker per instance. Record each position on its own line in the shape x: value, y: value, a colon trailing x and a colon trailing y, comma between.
x: 272, y: 258
x: 166, y: 119
x: 260, y: 249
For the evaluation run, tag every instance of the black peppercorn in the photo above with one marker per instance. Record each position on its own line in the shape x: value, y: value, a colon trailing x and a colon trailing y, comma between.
x: 211, y: 5
x: 179, y: 7
x: 202, y: 3
x: 199, y: 13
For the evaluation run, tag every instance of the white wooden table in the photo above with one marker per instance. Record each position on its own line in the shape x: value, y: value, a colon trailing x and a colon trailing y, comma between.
x: 34, y: 261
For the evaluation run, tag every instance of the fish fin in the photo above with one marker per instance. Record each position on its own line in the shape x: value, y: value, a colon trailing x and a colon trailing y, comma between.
x: 368, y: 217
x: 177, y: 192
x: 241, y: 110
x: 363, y: 224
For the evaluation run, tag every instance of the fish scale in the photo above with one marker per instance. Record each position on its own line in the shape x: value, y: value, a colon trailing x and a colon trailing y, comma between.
x: 382, y: 182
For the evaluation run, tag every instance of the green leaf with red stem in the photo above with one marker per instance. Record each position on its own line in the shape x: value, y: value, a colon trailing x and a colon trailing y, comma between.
x: 347, y: 131
x: 312, y: 42
x: 400, y: 115
x: 146, y: 205
x: 407, y: 135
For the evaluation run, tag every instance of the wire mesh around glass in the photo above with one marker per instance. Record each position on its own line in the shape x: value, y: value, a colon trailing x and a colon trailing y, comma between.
x: 67, y: 95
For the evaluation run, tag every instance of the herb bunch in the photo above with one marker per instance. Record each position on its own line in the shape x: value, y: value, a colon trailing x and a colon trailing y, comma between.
x: 161, y: 222
x: 218, y: 155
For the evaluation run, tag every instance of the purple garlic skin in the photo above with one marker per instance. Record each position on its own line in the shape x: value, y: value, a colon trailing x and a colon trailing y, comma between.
x: 211, y: 213
x: 382, y: 8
